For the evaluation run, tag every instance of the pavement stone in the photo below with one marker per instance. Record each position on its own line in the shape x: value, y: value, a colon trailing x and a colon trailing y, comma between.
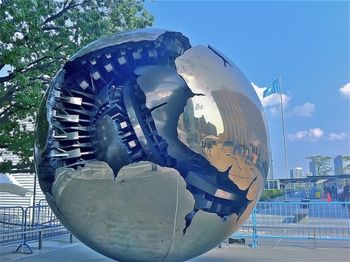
x: 60, y: 250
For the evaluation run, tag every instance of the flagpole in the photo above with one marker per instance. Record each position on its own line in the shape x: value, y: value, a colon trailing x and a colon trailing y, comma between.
x: 283, y: 136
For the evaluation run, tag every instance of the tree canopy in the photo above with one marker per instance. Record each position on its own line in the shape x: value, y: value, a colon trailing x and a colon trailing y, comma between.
x: 36, y: 39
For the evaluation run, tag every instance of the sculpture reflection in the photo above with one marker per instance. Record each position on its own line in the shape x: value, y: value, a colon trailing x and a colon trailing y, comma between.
x: 240, y: 141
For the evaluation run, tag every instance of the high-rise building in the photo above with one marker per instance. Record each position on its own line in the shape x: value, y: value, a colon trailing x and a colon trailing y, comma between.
x: 307, y: 173
x: 244, y: 115
x: 342, y: 164
x: 270, y: 173
x: 313, y: 168
x: 296, y: 172
x: 322, y: 166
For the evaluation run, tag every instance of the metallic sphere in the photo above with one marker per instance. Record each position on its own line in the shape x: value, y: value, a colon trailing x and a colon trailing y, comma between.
x: 148, y: 149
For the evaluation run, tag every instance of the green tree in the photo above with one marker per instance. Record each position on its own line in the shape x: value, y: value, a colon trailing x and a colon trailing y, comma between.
x: 323, y: 164
x: 36, y: 39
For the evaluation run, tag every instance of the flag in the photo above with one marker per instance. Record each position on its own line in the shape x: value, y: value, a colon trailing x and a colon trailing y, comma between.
x: 273, y: 88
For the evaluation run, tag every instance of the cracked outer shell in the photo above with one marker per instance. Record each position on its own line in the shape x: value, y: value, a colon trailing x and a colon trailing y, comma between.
x: 148, y: 149
x: 145, y: 227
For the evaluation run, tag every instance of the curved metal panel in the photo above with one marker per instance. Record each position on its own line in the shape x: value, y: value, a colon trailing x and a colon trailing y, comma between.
x: 225, y: 123
x: 141, y: 137
x: 149, y: 34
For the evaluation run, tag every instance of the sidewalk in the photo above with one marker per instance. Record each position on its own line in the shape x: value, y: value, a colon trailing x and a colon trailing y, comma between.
x: 60, y: 250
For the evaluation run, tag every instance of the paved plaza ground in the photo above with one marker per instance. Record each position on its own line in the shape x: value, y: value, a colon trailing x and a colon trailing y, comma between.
x: 60, y: 250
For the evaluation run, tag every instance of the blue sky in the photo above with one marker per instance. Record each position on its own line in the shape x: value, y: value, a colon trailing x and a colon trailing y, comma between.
x: 307, y: 43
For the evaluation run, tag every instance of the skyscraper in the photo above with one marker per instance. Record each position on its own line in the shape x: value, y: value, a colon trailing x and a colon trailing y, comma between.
x: 342, y: 164
x: 321, y: 166
x: 296, y: 172
x: 312, y: 168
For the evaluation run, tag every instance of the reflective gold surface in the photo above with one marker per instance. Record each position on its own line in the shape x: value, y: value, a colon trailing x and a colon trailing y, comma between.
x: 225, y: 122
x: 148, y: 149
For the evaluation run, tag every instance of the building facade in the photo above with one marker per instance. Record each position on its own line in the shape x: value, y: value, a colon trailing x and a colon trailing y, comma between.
x: 307, y: 173
x: 25, y: 179
x: 296, y: 172
x: 272, y: 184
x: 313, y: 168
x: 342, y: 165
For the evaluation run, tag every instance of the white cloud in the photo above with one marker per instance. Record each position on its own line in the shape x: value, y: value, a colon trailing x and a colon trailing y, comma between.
x: 272, y: 100
x: 345, y: 90
x: 298, y: 135
x: 306, y: 109
x: 311, y: 134
x: 275, y: 110
x: 316, y: 132
x: 337, y: 136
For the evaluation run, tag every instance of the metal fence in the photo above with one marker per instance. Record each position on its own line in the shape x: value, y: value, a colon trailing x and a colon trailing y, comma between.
x: 288, y: 220
x: 298, y: 220
x: 19, y: 224
x: 11, y: 221
x: 41, y: 217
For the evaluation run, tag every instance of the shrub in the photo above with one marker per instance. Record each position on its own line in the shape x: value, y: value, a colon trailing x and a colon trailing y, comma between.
x: 268, y: 194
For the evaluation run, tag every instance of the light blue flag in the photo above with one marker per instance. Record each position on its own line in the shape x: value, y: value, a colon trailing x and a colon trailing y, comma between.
x: 273, y: 88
